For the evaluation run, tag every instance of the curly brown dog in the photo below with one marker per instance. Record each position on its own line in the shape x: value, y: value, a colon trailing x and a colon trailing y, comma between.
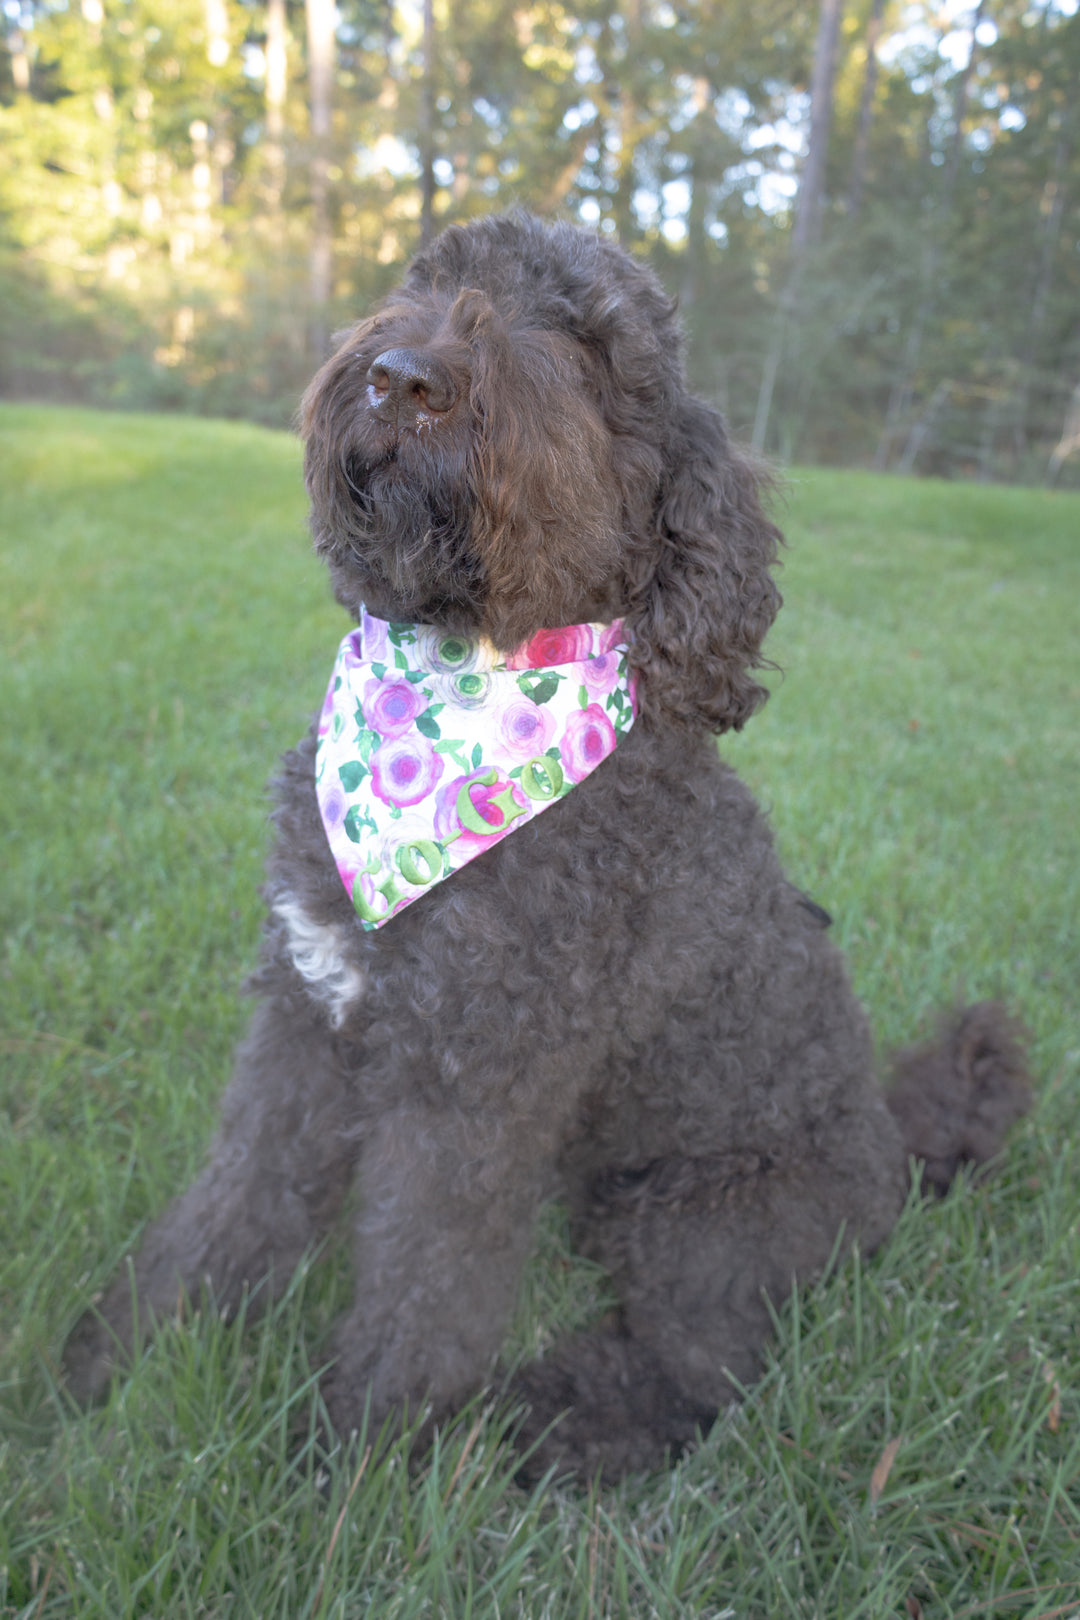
x: 623, y: 1000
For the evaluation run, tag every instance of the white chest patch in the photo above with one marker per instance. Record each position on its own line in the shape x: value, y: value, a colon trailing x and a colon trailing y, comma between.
x: 319, y: 955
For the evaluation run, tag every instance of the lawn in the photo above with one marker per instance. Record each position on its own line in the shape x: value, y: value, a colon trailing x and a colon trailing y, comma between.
x: 914, y: 1446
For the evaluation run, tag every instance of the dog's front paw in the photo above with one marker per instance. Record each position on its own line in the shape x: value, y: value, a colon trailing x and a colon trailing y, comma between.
x: 90, y: 1359
x: 348, y: 1405
x: 404, y: 1371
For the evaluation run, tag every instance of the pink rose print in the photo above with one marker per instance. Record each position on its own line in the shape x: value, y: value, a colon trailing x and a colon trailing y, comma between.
x: 390, y: 707
x: 526, y: 728
x: 598, y: 674
x: 561, y: 646
x: 404, y: 770
x: 333, y: 804
x: 490, y: 721
x: 589, y: 737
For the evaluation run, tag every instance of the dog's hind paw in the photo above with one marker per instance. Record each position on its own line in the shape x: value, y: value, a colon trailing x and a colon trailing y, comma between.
x: 600, y: 1404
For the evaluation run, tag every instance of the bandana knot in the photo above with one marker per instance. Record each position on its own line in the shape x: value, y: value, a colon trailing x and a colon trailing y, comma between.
x: 433, y: 747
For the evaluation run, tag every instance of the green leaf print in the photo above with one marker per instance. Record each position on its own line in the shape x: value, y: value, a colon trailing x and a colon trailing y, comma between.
x: 427, y: 723
x: 356, y: 820
x: 453, y: 748
x: 540, y: 688
x: 620, y: 705
x: 352, y: 773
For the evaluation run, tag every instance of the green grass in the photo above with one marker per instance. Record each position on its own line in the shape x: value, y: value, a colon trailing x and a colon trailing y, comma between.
x: 166, y: 635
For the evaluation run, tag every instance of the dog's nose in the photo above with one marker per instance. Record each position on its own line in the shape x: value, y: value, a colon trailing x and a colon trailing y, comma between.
x: 409, y: 379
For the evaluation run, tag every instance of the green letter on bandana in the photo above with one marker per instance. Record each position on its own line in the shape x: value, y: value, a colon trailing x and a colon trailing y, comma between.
x: 408, y: 857
x: 388, y: 887
x: 542, y: 777
x: 469, y: 815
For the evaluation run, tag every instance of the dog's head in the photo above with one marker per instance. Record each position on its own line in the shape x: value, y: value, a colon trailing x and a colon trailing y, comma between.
x: 507, y: 444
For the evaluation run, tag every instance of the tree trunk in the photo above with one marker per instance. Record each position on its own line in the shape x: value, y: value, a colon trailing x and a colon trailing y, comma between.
x: 222, y: 152
x: 808, y: 209
x: 1051, y: 211
x: 903, y: 389
x: 693, y: 269
x: 320, y: 34
x: 277, y: 68
x: 629, y: 126
x: 20, y: 61
x: 866, y: 112
x: 463, y: 118
x: 427, y: 128
x: 900, y: 394
x: 960, y: 99
x: 920, y: 432
x: 809, y: 203
x: 1070, y: 437
x: 785, y: 314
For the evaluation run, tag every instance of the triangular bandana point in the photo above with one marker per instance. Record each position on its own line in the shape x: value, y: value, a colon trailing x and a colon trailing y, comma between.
x: 433, y: 747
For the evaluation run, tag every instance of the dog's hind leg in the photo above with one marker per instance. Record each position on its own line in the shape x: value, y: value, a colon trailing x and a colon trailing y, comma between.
x: 275, y: 1180
x: 695, y: 1248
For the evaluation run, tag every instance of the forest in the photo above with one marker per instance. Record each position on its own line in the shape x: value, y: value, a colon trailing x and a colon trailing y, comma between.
x: 869, y: 210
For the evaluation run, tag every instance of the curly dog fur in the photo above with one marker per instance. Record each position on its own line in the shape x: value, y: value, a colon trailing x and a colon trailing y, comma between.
x: 625, y: 1001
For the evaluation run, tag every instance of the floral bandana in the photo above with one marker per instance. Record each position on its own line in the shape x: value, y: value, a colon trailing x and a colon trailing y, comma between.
x: 433, y: 747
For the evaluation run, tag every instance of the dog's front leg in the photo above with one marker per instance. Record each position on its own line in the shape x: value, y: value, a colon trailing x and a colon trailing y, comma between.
x: 277, y: 1173
x: 448, y: 1206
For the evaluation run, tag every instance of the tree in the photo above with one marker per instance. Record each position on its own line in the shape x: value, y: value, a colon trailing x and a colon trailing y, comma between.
x: 276, y: 82
x: 808, y: 209
x: 196, y: 191
x: 321, y: 56
x: 866, y: 111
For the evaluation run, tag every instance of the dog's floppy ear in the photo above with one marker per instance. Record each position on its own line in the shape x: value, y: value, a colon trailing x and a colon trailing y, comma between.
x: 704, y: 596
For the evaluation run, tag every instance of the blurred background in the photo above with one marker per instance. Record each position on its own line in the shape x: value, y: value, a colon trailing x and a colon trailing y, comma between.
x: 869, y: 210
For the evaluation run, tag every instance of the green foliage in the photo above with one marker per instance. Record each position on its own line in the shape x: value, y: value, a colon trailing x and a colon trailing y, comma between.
x: 159, y: 224
x: 914, y: 1440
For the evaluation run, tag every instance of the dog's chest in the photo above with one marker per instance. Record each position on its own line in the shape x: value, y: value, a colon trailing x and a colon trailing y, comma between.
x: 325, y: 956
x: 558, y: 919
